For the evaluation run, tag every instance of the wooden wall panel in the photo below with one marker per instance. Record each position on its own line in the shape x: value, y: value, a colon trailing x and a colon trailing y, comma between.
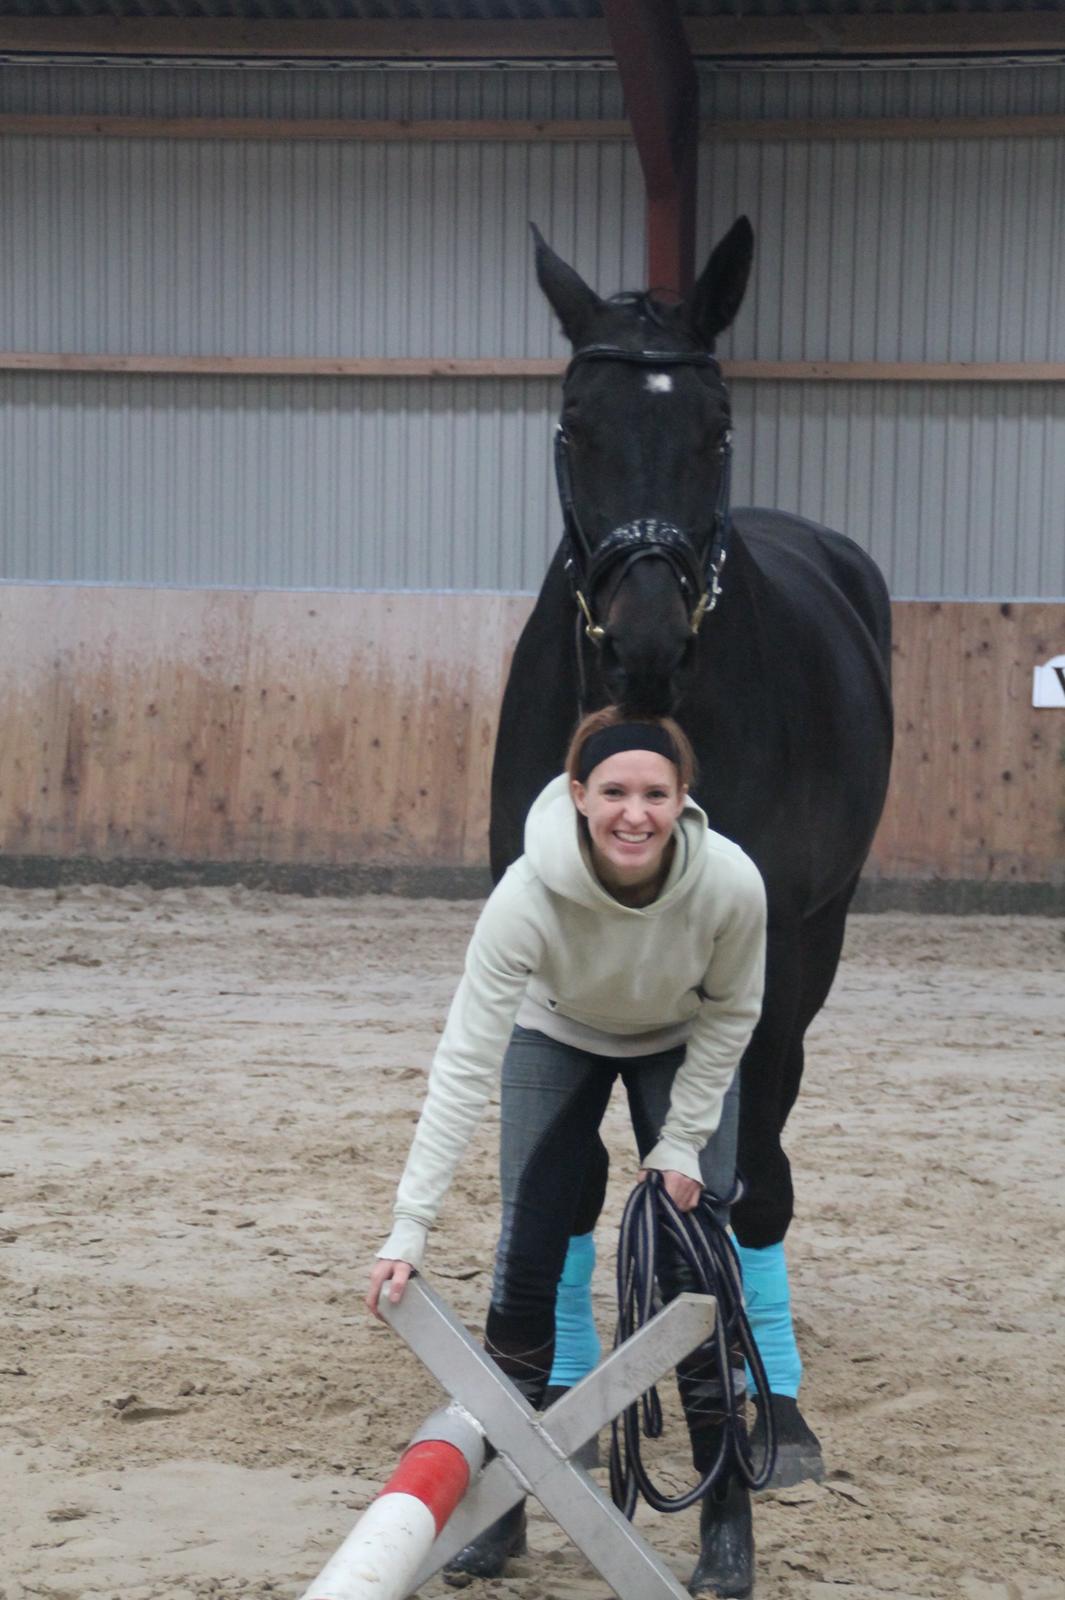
x: 228, y: 726
x: 338, y: 729
x: 978, y: 785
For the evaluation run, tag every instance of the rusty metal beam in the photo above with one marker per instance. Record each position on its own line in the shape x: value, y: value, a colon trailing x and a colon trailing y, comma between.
x: 662, y: 99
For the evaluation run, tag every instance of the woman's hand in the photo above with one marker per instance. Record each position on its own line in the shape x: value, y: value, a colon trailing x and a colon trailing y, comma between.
x: 395, y: 1273
x: 684, y: 1192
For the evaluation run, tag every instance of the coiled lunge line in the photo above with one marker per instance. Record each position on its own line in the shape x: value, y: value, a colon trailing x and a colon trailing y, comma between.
x: 710, y: 1256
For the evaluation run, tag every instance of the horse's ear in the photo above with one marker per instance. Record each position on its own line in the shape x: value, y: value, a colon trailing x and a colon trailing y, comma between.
x: 719, y: 292
x: 573, y: 302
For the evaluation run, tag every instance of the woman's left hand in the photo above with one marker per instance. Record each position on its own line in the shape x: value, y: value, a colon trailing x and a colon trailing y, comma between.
x: 396, y: 1274
x: 684, y: 1192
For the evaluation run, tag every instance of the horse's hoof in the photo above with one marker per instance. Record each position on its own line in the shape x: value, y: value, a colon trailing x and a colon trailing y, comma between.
x: 487, y: 1555
x: 725, y: 1568
x: 799, y: 1458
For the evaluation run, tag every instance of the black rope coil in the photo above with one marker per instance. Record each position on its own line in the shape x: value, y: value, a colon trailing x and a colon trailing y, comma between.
x: 711, y: 1258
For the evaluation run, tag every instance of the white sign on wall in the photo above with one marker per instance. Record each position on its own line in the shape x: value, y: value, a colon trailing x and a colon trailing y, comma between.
x: 1048, y: 683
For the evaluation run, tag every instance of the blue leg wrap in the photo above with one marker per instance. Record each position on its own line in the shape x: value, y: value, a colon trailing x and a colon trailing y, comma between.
x: 765, y: 1289
x: 577, y: 1347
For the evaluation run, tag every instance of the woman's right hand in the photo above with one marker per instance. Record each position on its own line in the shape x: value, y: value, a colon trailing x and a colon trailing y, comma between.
x: 394, y: 1273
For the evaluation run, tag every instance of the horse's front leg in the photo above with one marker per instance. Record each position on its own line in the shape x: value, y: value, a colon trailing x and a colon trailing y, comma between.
x: 802, y: 958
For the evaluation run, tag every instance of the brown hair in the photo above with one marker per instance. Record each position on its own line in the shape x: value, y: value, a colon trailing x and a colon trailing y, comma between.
x: 610, y: 717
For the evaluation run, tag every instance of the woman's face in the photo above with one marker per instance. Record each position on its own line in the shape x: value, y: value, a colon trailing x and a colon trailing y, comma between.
x: 631, y: 801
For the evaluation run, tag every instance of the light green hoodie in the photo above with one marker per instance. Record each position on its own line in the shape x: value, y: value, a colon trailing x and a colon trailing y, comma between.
x: 694, y: 959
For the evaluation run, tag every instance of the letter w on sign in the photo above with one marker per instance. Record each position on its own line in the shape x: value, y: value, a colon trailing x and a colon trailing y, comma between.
x: 1048, y: 683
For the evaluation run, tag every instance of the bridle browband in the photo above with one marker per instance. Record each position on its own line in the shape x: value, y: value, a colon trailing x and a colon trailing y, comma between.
x: 635, y: 541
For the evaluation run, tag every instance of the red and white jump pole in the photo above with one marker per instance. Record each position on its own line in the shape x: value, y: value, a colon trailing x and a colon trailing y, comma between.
x: 384, y: 1551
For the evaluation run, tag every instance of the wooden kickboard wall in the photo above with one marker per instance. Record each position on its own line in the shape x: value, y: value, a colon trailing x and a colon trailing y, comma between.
x: 339, y: 729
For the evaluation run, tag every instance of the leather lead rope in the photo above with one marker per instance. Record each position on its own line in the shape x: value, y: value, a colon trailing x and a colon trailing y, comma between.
x: 714, y: 1266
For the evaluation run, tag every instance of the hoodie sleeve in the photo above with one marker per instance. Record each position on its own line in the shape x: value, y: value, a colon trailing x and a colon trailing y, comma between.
x: 733, y: 987
x: 504, y: 950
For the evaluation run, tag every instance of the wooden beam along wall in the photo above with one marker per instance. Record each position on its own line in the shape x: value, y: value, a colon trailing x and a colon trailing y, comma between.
x: 1048, y: 125
x: 717, y: 38
x: 232, y: 366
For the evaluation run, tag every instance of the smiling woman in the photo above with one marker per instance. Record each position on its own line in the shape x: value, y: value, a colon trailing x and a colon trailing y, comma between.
x: 628, y: 941
x: 629, y: 783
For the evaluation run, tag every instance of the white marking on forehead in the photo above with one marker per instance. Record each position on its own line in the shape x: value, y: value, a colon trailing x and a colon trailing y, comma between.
x: 659, y: 383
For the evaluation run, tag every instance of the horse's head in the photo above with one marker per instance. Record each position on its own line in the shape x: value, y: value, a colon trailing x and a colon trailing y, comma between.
x: 643, y: 456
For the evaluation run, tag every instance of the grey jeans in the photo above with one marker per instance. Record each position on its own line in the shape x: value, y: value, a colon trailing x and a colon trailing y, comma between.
x: 553, y: 1100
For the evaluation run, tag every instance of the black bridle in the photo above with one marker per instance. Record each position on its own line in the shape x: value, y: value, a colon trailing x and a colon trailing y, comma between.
x: 699, y: 577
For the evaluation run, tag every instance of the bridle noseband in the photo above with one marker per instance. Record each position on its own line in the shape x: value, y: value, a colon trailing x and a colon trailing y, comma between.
x: 699, y: 578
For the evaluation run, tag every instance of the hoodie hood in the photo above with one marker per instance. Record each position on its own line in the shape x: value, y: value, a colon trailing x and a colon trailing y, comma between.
x: 555, y: 850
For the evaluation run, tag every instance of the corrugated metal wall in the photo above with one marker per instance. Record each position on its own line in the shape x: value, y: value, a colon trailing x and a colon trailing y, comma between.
x: 726, y: 92
x: 189, y: 247
x: 910, y: 91
x: 957, y: 490
x: 331, y: 92
x: 320, y: 483
x: 923, y: 251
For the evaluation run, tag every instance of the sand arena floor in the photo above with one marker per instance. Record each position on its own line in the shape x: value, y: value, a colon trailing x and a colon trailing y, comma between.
x: 207, y: 1099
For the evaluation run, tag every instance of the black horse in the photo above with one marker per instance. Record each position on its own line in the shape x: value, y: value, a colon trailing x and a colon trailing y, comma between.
x: 767, y: 636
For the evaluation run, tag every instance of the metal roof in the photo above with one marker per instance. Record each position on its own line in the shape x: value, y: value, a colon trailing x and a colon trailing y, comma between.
x: 502, y: 10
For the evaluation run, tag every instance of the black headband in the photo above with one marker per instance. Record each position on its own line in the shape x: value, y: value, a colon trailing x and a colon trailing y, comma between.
x: 624, y: 736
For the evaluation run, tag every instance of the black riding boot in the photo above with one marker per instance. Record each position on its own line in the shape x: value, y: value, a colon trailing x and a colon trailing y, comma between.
x: 726, y: 1542
x: 725, y: 1567
x: 487, y: 1555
